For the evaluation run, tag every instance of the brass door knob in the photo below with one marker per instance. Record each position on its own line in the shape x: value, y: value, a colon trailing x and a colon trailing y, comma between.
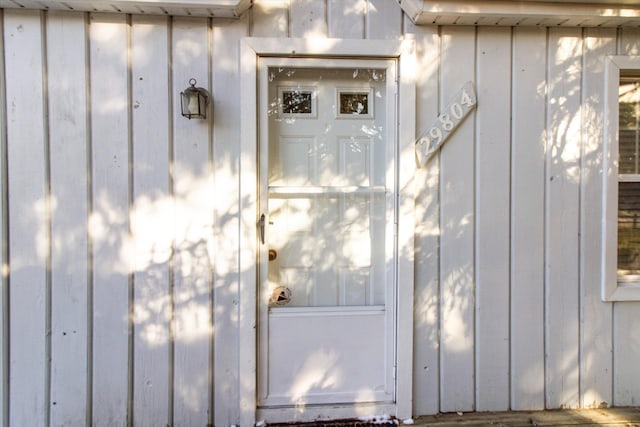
x: 272, y: 254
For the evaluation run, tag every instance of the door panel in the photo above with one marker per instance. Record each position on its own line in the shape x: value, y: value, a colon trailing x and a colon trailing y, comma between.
x: 326, y: 266
x: 339, y: 366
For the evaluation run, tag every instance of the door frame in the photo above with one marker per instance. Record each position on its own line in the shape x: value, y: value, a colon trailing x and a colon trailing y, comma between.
x: 403, y: 51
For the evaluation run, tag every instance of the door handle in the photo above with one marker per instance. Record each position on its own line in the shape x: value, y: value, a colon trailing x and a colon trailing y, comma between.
x: 261, y: 225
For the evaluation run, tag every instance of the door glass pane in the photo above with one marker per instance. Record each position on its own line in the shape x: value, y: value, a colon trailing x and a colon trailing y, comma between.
x: 328, y: 204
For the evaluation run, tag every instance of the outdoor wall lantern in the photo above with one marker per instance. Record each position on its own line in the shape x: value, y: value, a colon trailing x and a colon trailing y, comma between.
x: 194, y: 101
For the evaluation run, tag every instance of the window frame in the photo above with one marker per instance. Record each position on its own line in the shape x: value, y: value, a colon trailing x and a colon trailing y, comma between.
x: 614, y: 289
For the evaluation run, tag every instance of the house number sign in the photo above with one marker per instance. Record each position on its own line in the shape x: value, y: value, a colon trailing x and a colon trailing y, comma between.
x: 450, y: 118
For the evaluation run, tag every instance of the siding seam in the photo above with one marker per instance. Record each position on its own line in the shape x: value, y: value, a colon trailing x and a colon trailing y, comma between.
x: 439, y: 252
x: 289, y: 19
x: 511, y: 214
x: 131, y: 278
x: 365, y: 33
x: 211, y: 373
x: 474, y: 261
x: 545, y: 226
x: 171, y: 261
x: 441, y: 226
x: 4, y: 249
x: 90, y: 208
x: 364, y: 17
x: 580, y: 313
x: 47, y: 218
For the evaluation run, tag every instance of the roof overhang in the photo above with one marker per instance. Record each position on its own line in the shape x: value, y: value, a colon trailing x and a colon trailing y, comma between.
x: 571, y: 13
x: 211, y: 8
x: 581, y: 13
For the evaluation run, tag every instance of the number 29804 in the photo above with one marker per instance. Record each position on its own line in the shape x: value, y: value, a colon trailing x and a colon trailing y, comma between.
x: 448, y: 120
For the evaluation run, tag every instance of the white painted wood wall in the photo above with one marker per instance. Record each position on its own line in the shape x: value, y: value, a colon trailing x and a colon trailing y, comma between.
x: 120, y: 219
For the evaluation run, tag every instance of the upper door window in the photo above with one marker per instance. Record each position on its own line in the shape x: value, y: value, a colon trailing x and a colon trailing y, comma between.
x: 330, y: 172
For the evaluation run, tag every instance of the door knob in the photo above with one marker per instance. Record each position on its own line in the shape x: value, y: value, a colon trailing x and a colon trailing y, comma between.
x: 273, y: 254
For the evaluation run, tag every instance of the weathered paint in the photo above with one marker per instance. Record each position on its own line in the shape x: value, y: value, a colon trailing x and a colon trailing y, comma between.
x: 123, y: 239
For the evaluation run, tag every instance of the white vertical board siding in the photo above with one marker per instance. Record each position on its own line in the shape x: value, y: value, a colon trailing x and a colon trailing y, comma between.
x: 457, y: 295
x: 346, y: 18
x: 193, y: 206
x: 67, y: 90
x: 555, y: 307
x: 563, y: 219
x: 492, y: 260
x: 384, y: 20
x: 596, y: 317
x: 109, y: 220
x: 226, y: 161
x: 29, y: 219
x: 527, y: 218
x: 153, y: 222
x: 270, y: 19
x: 426, y: 307
x: 308, y: 18
x: 626, y: 326
x: 508, y: 217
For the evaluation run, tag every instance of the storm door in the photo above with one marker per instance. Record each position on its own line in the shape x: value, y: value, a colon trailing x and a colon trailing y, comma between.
x: 326, y: 230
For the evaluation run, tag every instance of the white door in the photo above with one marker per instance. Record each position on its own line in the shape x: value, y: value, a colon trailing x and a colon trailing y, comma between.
x: 327, y: 250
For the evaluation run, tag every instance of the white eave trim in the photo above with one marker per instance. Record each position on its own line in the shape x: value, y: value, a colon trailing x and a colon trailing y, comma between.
x: 210, y: 8
x: 587, y: 13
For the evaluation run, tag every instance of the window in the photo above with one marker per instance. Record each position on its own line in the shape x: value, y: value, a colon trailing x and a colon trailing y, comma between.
x: 621, y: 279
x: 628, y: 266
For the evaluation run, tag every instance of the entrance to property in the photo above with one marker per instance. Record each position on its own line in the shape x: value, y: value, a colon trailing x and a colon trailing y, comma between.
x: 327, y: 250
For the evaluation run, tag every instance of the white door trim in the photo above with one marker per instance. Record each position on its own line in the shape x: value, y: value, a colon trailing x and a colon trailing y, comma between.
x: 251, y: 50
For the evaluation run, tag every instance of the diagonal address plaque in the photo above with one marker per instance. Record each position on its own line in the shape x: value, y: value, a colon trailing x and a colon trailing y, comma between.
x: 450, y: 118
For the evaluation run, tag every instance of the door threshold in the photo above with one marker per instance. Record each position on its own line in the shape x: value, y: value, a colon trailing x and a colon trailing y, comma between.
x: 349, y: 422
x: 364, y: 413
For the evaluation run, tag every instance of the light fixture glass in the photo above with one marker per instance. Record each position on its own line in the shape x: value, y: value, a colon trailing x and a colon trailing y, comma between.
x: 194, y: 101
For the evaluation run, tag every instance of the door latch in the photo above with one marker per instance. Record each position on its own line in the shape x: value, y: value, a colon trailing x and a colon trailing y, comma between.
x: 261, y: 225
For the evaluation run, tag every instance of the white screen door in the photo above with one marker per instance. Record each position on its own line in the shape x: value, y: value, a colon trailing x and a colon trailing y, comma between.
x: 327, y: 250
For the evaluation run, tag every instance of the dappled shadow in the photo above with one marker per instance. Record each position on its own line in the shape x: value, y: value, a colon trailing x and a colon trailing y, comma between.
x: 576, y: 326
x: 124, y: 233
x: 150, y: 275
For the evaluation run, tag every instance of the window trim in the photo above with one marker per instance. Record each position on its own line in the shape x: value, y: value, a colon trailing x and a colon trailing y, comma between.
x: 612, y: 288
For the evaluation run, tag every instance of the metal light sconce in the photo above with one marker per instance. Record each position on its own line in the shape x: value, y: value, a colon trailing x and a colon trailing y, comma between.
x: 194, y: 101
